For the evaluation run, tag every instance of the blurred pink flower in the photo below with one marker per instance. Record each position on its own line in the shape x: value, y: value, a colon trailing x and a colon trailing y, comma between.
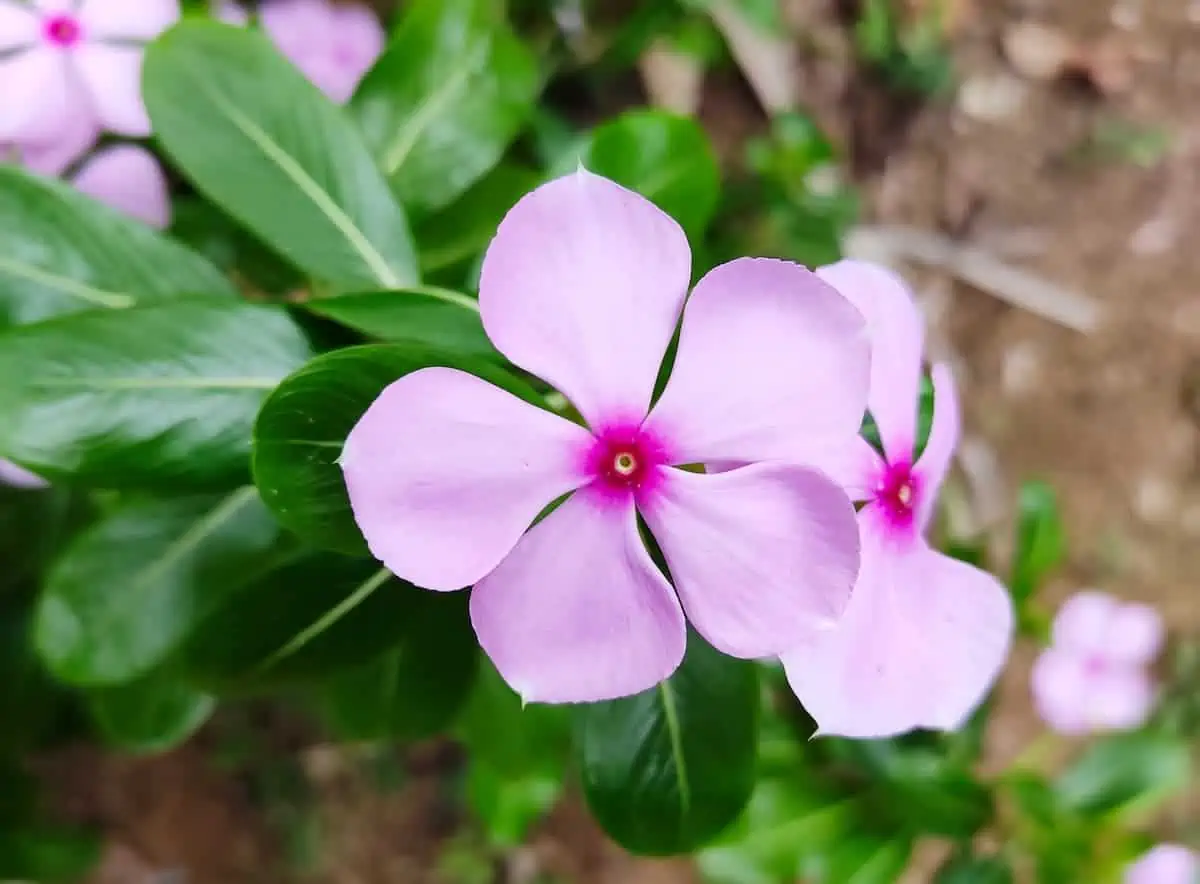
x: 1165, y: 864
x: 924, y: 636
x: 11, y: 474
x: 62, y: 60
x: 1095, y: 675
x: 333, y: 44
x: 583, y: 285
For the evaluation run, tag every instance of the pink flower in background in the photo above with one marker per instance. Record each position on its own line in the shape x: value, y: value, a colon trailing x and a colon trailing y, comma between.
x: 1095, y: 676
x: 924, y: 636
x: 583, y: 286
x: 333, y: 44
x: 62, y: 60
x: 1165, y: 864
x: 11, y: 474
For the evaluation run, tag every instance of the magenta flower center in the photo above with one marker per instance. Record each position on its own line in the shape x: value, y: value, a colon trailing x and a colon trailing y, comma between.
x: 624, y: 458
x: 896, y: 493
x: 63, y: 30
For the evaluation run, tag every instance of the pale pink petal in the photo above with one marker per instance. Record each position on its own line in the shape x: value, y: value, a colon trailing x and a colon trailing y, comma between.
x: 11, y: 474
x: 127, y: 19
x: 759, y: 555
x: 1165, y: 864
x: 1083, y: 623
x: 897, y: 334
x: 1061, y: 691
x: 335, y: 79
x: 128, y: 178
x: 1120, y: 699
x: 1136, y: 634
x: 18, y: 26
x: 943, y: 439
x: 921, y: 644
x: 445, y: 473
x: 113, y: 78
x: 36, y: 95
x: 296, y: 27
x: 53, y: 156
x: 577, y: 612
x: 231, y: 13
x: 772, y: 364
x: 582, y: 285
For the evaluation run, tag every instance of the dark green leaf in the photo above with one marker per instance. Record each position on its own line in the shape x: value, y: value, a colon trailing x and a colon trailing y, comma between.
x: 417, y: 687
x: 151, y: 715
x: 29, y: 700
x: 974, y: 870
x: 304, y: 620
x: 300, y: 431
x: 446, y: 98
x: 150, y: 396
x: 34, y: 524
x: 1040, y: 541
x: 263, y: 143
x: 861, y: 859
x: 665, y: 158
x: 426, y: 317
x: 131, y: 588
x: 46, y: 855
x: 205, y: 228
x: 64, y: 253
x: 1126, y: 774
x: 666, y: 770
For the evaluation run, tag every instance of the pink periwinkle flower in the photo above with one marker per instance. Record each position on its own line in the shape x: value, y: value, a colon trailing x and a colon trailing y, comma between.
x: 1095, y: 676
x: 17, y: 477
x: 1165, y: 864
x: 924, y: 635
x: 333, y: 44
x: 62, y: 59
x: 583, y: 285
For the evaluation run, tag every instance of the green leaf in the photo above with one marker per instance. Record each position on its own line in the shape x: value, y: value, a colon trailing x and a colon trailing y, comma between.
x: 975, y: 870
x: 443, y: 102
x: 508, y: 807
x: 666, y: 159
x: 863, y: 859
x: 300, y: 431
x: 47, y: 855
x: 311, y: 616
x: 666, y: 770
x: 30, y: 702
x: 64, y: 253
x: 162, y: 395
x: 417, y: 687
x: 149, y: 716
x: 263, y: 143
x: 130, y: 589
x: 1126, y: 775
x: 426, y: 317
x: 1041, y: 546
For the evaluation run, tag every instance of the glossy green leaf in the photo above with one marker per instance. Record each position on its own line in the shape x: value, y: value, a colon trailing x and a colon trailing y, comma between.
x: 47, y: 855
x: 300, y: 431
x: 162, y: 395
x: 263, y: 143
x: 666, y: 770
x: 1126, y: 774
x: 151, y: 715
x: 666, y: 158
x: 442, y: 104
x: 861, y: 859
x: 416, y: 688
x: 975, y: 870
x: 1041, y: 545
x: 64, y: 253
x: 134, y: 586
x: 426, y: 317
x: 303, y: 620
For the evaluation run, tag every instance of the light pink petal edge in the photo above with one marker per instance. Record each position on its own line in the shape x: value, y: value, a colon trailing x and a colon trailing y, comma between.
x: 127, y: 19
x: 129, y: 179
x: 112, y: 76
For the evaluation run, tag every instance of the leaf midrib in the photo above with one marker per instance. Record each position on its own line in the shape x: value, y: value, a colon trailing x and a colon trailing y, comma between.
x: 675, y: 736
x: 67, y: 285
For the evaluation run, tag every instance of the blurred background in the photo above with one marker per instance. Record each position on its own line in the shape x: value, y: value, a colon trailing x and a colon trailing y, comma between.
x: 1031, y: 167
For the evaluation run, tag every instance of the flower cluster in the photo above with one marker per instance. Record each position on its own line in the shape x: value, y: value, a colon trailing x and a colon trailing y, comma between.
x: 743, y: 473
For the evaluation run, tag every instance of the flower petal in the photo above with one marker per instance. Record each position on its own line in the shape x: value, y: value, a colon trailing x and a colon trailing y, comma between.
x: 759, y: 555
x: 1165, y: 864
x: 1136, y: 634
x: 113, y: 78
x: 18, y: 477
x: 1082, y: 624
x: 1061, y: 691
x: 37, y: 98
x: 772, y: 364
x: 578, y: 612
x: 130, y: 179
x: 922, y: 641
x: 445, y: 472
x: 582, y: 285
x: 18, y: 26
x: 127, y: 19
x: 53, y: 156
x: 1121, y: 699
x: 943, y: 439
x: 897, y: 333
